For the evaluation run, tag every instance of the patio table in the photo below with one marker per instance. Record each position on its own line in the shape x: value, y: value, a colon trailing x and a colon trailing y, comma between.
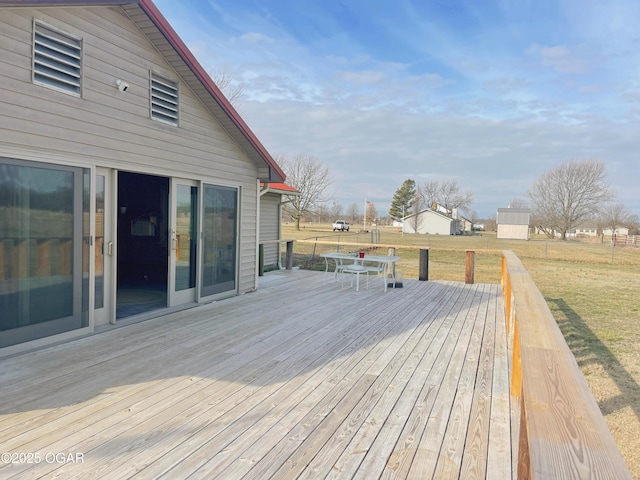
x: 351, y: 263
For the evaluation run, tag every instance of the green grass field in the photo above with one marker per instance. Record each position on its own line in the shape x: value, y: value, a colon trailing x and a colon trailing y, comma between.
x: 592, y: 290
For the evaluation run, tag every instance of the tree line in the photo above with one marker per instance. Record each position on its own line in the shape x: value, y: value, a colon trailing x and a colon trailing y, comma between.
x: 570, y: 195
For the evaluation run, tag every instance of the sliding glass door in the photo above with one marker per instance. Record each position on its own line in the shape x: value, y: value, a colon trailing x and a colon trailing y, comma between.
x: 184, y: 241
x: 44, y: 250
x: 219, y: 242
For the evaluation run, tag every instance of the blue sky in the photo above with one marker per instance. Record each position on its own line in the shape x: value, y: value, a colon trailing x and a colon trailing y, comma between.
x: 492, y: 93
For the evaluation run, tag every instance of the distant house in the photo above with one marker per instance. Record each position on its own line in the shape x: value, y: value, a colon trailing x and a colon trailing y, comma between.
x: 129, y: 184
x: 432, y: 222
x: 272, y: 196
x: 466, y: 225
x: 593, y: 231
x: 513, y: 223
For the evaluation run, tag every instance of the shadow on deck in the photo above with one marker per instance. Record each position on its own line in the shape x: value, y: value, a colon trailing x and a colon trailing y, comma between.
x: 301, y: 379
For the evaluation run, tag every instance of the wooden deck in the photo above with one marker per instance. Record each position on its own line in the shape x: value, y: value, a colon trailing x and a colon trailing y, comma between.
x: 298, y: 380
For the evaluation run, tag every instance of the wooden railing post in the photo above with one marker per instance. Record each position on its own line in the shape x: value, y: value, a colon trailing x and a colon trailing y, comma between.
x: 289, y: 255
x: 423, y: 273
x: 469, y: 267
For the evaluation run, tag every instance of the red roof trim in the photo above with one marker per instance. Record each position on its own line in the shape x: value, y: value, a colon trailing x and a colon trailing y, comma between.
x: 280, y: 186
x: 177, y: 43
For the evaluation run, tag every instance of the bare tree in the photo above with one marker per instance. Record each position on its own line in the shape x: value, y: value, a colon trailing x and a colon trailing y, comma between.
x: 232, y: 90
x: 569, y: 194
x: 336, y: 210
x: 311, y: 178
x: 447, y: 194
x: 429, y: 193
x: 416, y: 207
x: 518, y: 203
x: 616, y: 215
x: 371, y: 214
x: 451, y: 197
x: 352, y: 212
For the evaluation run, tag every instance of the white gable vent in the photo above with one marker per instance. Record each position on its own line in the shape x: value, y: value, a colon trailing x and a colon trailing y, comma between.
x: 57, y: 59
x: 164, y: 99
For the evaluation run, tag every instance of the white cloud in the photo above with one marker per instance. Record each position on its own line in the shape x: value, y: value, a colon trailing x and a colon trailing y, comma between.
x: 366, y: 77
x: 560, y: 59
x: 494, y: 110
x: 255, y: 38
x: 372, y: 152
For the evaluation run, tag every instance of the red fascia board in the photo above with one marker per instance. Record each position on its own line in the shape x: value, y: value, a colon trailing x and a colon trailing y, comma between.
x: 58, y: 3
x: 280, y: 186
x: 170, y: 34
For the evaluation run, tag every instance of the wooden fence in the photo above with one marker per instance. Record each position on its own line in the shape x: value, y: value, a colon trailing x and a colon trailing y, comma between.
x: 627, y: 241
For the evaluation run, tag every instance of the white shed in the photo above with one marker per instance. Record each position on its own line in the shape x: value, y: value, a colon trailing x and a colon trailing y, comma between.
x: 513, y: 223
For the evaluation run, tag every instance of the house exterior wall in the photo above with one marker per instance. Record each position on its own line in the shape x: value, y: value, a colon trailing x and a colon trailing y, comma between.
x: 110, y: 128
x: 430, y: 222
x: 270, y: 227
x: 107, y: 128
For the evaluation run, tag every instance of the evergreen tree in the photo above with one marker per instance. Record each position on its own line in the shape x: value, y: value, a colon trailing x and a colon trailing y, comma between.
x: 404, y: 197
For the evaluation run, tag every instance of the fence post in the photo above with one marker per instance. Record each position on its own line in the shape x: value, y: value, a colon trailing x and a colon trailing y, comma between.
x: 469, y: 267
x: 261, y: 260
x: 289, y: 256
x: 423, y: 273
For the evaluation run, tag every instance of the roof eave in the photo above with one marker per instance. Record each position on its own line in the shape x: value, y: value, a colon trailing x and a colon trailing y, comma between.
x: 275, y: 172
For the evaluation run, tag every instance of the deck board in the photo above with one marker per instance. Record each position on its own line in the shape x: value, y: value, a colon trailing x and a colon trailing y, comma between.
x: 301, y: 379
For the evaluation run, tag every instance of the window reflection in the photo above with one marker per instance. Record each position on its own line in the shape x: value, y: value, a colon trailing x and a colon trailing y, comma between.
x: 219, y: 242
x: 186, y: 215
x: 99, y: 287
x: 41, y: 291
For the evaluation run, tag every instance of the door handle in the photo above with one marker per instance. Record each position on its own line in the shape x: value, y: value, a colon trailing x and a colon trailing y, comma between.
x: 110, y: 248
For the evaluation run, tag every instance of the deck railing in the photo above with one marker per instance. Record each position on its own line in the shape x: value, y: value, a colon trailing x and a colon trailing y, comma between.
x: 562, y: 431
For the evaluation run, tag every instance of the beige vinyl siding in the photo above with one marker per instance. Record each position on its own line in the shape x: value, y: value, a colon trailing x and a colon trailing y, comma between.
x: 248, y: 238
x: 110, y: 128
x: 269, y: 226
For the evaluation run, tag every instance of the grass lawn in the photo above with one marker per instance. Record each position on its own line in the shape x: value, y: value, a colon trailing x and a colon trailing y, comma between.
x: 592, y: 291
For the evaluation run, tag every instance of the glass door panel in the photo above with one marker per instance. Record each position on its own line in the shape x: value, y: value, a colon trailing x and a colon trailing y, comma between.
x: 184, y: 236
x: 43, y: 254
x: 104, y: 248
x: 220, y: 214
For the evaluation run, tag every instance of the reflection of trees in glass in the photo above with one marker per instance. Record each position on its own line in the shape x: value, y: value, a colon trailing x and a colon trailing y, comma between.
x: 21, y: 183
x: 35, y: 201
x: 220, y: 212
x: 38, y: 240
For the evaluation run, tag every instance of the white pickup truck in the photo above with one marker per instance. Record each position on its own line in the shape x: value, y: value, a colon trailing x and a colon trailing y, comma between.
x: 340, y: 225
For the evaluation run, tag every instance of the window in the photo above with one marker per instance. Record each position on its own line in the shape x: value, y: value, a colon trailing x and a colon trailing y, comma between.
x: 164, y: 100
x: 57, y: 59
